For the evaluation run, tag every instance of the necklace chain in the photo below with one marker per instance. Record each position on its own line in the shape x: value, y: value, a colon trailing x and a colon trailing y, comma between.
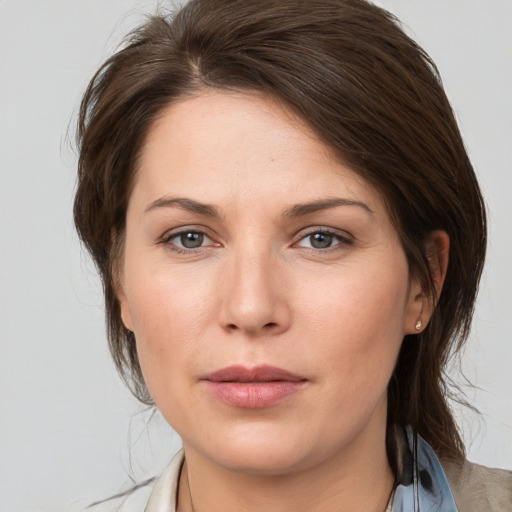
x: 190, y: 494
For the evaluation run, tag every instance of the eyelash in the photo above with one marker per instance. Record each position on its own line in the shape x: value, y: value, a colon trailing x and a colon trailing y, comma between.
x: 343, y: 240
x: 173, y: 247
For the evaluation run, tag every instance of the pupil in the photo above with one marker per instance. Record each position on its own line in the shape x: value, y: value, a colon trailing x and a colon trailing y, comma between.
x: 192, y: 240
x: 321, y: 240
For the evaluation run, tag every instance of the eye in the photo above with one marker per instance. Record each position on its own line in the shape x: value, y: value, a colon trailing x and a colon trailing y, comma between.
x: 188, y: 240
x: 322, y: 239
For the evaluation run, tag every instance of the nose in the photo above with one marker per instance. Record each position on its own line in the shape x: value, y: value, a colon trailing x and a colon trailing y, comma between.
x: 254, y: 300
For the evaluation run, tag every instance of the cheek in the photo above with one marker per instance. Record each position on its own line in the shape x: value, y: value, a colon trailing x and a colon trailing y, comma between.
x: 170, y: 314
x: 356, y: 323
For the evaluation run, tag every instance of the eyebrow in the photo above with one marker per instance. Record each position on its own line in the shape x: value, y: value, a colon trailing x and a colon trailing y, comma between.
x: 298, y: 210
x: 186, y: 204
x: 303, y: 209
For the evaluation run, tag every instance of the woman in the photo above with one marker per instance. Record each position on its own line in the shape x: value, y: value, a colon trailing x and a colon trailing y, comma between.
x: 290, y: 236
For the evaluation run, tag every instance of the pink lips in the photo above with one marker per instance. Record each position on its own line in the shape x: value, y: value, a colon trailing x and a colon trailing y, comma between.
x: 253, y: 388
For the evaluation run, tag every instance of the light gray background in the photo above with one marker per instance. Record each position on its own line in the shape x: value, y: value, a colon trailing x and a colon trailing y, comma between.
x: 69, y: 432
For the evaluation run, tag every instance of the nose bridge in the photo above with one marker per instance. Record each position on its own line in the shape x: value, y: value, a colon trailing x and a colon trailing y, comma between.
x: 253, y: 299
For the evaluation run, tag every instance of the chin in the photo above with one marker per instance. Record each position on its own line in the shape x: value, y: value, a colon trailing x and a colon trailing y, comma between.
x: 263, y: 460
x: 260, y: 452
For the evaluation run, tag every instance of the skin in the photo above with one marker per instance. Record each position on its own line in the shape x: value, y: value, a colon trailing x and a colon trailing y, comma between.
x: 258, y: 291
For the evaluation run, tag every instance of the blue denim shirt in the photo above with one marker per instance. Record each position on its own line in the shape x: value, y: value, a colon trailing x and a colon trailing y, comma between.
x: 422, y: 486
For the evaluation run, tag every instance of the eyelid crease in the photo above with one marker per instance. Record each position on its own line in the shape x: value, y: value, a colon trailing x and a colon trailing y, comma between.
x: 340, y: 233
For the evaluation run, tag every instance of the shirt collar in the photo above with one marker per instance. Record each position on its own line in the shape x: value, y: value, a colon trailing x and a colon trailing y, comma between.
x: 421, y: 486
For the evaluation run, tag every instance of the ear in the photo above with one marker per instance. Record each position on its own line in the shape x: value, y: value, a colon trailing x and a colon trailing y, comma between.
x: 124, y: 308
x: 119, y: 290
x: 420, y: 304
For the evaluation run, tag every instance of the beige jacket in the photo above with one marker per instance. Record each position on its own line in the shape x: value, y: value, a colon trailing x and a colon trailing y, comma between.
x: 480, y: 489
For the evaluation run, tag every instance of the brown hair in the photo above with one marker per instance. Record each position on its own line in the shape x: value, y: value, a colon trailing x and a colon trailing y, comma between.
x: 367, y: 90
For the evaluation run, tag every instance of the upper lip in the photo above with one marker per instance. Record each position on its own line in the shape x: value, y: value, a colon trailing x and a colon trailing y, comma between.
x: 261, y: 373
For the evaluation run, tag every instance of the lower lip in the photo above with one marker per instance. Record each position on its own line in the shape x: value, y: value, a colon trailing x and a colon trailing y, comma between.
x: 256, y: 395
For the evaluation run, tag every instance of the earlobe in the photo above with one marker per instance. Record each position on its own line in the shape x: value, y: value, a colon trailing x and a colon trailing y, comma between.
x: 421, y: 302
x: 414, y: 319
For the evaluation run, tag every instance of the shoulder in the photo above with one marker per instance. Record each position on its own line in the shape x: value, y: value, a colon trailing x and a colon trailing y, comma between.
x: 478, y: 488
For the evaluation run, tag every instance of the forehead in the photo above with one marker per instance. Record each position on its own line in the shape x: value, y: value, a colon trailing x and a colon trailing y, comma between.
x: 221, y: 146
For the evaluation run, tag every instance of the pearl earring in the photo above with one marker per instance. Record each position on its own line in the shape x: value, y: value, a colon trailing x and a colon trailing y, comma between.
x: 418, y: 325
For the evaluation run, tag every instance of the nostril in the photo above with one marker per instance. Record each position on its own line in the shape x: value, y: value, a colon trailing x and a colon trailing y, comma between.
x: 267, y: 327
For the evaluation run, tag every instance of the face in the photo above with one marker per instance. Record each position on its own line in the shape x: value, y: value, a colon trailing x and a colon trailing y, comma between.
x: 265, y: 284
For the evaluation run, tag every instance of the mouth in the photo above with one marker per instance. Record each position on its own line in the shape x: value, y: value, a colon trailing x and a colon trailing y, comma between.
x: 253, y: 388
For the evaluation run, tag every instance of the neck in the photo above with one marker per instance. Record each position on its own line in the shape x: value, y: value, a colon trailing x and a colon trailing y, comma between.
x: 356, y: 478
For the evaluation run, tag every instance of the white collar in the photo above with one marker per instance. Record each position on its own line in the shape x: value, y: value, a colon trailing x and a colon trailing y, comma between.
x: 165, y: 492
